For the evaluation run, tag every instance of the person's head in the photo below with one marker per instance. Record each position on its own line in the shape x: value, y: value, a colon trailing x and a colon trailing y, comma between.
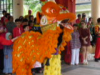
x: 98, y: 20
x: 29, y: 12
x: 90, y: 19
x: 8, y: 36
x: 21, y: 18
x: 25, y: 22
x: 79, y: 16
x: 31, y: 24
x: 7, y: 15
x: 75, y: 27
x: 83, y: 23
x: 83, y: 16
x: 26, y: 28
x: 4, y: 12
x: 10, y: 18
x: 18, y: 22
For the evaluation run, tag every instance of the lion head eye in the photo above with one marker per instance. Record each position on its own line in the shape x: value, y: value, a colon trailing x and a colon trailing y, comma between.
x: 44, y: 20
x: 53, y: 11
x: 50, y: 10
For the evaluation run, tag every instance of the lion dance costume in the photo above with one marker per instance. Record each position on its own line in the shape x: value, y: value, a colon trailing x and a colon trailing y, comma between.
x: 33, y: 46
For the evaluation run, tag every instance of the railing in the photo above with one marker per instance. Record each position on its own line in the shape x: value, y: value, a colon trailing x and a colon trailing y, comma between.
x: 82, y: 1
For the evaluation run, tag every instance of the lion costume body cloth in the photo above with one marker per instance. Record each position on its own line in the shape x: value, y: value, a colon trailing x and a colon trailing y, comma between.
x: 33, y: 46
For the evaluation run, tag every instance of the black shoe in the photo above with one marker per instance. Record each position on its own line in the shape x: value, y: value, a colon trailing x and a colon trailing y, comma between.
x: 96, y: 60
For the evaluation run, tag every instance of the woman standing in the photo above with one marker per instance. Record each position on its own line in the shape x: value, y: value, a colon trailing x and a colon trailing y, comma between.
x: 85, y: 41
x: 75, y: 46
x: 8, y: 56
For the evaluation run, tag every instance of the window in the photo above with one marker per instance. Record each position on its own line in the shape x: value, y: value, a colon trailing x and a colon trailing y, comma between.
x: 6, y: 5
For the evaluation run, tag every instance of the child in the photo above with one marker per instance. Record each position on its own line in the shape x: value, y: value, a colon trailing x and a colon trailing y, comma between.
x: 17, y: 31
x: 8, y: 56
x: 75, y: 46
x: 24, y: 22
x: 26, y: 28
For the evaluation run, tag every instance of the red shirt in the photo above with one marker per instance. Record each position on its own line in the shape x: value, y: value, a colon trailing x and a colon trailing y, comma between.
x: 17, y: 31
x: 30, y: 27
x: 2, y: 19
x: 2, y: 35
x: 78, y: 21
x: 3, y: 41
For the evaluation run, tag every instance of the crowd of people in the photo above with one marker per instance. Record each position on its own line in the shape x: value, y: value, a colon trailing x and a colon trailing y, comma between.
x: 10, y: 29
x: 83, y: 36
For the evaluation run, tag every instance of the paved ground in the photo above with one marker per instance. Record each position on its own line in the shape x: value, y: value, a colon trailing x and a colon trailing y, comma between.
x: 93, y: 68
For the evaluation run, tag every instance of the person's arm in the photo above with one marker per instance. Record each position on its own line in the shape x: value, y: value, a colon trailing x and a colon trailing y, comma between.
x: 84, y: 38
x: 3, y: 41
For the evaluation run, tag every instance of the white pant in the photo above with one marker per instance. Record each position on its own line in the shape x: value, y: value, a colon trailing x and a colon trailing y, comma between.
x: 75, y: 56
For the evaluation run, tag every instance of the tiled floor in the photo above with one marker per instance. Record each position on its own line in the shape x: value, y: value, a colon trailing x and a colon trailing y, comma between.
x: 93, y: 68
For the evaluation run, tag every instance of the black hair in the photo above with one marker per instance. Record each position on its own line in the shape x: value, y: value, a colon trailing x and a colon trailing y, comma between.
x: 79, y: 15
x: 83, y: 16
x: 25, y: 20
x: 10, y: 17
x: 7, y: 15
x: 21, y: 18
x: 90, y: 18
x: 4, y: 11
x: 98, y: 20
x: 17, y: 20
x: 25, y: 26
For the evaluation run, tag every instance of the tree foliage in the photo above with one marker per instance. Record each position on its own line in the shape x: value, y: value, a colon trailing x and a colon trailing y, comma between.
x: 33, y: 5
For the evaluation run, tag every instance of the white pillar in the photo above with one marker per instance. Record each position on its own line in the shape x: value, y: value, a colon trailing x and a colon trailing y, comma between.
x: 95, y: 10
x: 17, y: 8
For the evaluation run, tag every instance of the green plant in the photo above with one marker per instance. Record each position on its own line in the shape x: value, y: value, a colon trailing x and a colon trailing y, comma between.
x: 33, y: 5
